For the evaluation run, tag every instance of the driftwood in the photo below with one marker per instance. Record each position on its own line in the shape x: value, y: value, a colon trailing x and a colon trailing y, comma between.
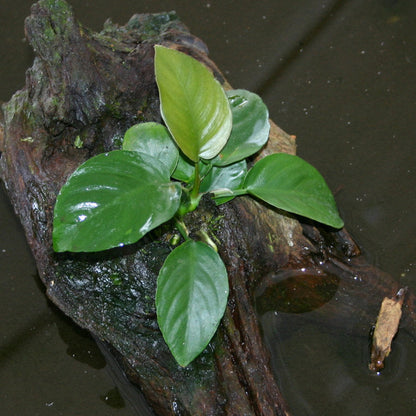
x: 82, y: 92
x: 385, y: 330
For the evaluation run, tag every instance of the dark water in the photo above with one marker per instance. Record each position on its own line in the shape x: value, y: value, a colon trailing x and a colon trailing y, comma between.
x: 341, y: 76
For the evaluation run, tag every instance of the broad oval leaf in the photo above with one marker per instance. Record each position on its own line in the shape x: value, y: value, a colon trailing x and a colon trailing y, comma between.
x: 113, y: 199
x: 193, y: 104
x: 228, y: 177
x: 152, y: 139
x: 250, y: 129
x: 191, y: 296
x: 289, y: 183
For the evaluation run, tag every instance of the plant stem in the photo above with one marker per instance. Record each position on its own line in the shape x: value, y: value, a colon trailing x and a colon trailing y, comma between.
x: 195, y: 195
x: 197, y: 182
x: 207, y: 240
x: 181, y: 227
x: 224, y: 192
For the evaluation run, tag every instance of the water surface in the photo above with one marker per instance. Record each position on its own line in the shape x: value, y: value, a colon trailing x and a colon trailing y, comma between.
x: 341, y: 77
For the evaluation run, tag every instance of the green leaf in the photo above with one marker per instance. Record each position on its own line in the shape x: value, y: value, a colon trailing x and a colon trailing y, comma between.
x: 250, y: 127
x: 152, y: 139
x: 228, y: 177
x: 193, y: 104
x: 289, y: 183
x: 113, y: 199
x: 191, y: 297
x: 185, y: 169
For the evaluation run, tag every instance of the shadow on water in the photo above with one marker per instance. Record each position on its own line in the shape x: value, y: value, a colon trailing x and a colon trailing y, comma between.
x: 341, y: 76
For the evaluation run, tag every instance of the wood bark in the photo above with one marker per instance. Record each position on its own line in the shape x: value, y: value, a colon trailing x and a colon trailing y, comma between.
x: 81, y: 94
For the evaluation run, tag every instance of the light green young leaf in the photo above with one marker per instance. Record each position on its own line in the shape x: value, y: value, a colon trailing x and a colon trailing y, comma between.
x: 191, y: 296
x: 152, y: 139
x: 250, y: 127
x: 289, y: 183
x: 111, y: 200
x: 193, y: 104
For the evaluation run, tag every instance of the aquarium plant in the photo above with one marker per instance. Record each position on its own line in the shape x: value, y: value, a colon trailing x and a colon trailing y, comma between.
x: 160, y: 175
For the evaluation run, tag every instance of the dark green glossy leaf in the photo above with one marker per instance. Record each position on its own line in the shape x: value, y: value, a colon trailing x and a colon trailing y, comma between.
x: 289, y: 183
x: 152, y: 139
x: 250, y: 127
x: 228, y: 177
x: 191, y: 297
x: 193, y: 104
x: 113, y: 199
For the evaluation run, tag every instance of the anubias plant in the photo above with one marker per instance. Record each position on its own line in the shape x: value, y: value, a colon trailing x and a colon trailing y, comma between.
x: 161, y: 173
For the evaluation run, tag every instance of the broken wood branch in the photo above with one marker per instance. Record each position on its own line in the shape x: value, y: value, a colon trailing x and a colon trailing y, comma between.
x: 386, y: 328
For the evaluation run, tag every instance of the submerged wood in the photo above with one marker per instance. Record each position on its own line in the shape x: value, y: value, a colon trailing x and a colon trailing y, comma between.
x: 81, y: 94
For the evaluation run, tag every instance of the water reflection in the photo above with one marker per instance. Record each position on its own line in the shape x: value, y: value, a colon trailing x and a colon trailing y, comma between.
x: 295, y: 291
x: 113, y: 399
